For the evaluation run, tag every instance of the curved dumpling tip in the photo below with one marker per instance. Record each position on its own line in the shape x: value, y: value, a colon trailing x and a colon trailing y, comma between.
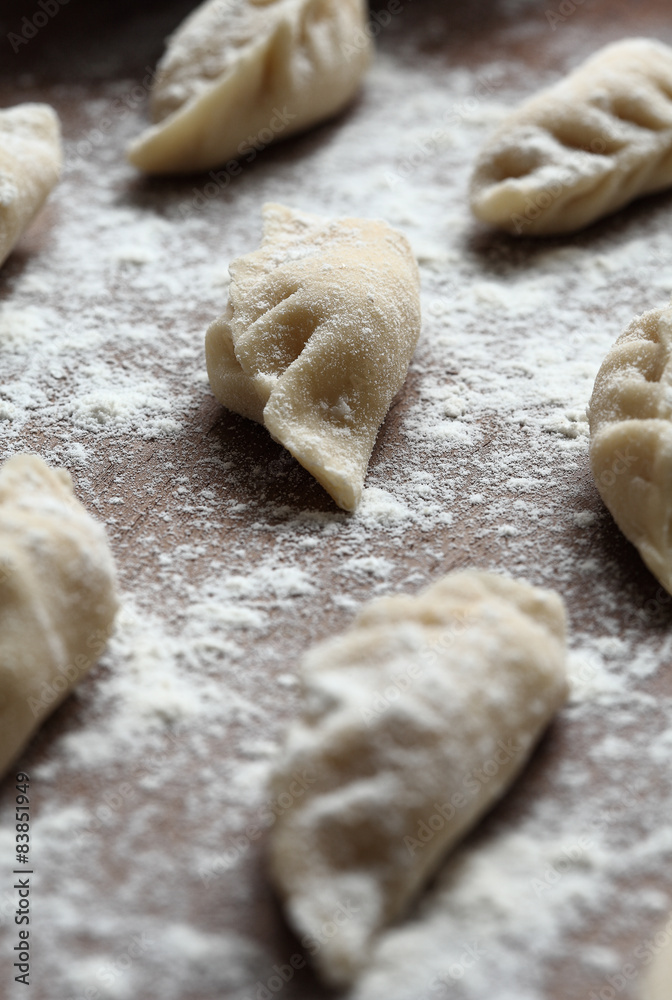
x: 583, y: 148
x: 414, y: 722
x: 631, y: 438
x: 31, y: 159
x: 241, y: 75
x: 57, y: 596
x: 316, y: 341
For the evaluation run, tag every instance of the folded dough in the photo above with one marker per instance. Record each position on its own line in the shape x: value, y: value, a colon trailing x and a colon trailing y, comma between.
x: 415, y: 721
x: 320, y: 328
x: 583, y: 148
x: 31, y: 158
x: 57, y: 596
x: 239, y: 74
x: 631, y: 437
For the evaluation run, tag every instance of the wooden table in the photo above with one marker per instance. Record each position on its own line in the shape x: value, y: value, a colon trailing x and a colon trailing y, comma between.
x: 206, y: 513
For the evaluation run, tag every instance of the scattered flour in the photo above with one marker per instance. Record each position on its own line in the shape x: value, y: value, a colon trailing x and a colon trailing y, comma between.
x: 148, y: 781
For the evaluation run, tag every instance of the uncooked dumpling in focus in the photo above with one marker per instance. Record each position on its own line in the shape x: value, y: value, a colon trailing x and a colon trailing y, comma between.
x: 57, y: 596
x: 583, y: 148
x: 320, y: 328
x: 240, y: 74
x: 414, y: 722
x: 31, y: 158
x: 631, y: 437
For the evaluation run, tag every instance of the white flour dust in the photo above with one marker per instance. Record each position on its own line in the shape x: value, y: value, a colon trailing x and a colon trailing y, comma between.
x: 232, y: 562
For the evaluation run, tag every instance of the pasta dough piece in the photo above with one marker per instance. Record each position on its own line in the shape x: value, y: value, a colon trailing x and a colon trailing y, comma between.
x: 239, y: 75
x: 583, y: 148
x: 631, y: 438
x: 31, y: 158
x: 415, y: 721
x: 317, y: 338
x: 57, y: 596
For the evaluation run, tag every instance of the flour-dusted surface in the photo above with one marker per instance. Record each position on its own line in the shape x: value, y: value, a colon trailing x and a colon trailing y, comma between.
x: 148, y: 785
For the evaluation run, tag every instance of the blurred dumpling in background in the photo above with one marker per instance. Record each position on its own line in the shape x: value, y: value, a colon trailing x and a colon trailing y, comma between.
x: 251, y: 71
x: 31, y: 158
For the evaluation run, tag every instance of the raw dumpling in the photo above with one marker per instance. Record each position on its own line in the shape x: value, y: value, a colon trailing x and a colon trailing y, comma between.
x: 631, y: 438
x: 57, y: 596
x: 240, y: 74
x: 317, y: 338
x: 583, y: 148
x: 31, y: 158
x: 415, y: 721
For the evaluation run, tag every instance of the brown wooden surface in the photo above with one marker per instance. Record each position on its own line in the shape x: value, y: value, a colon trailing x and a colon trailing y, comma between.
x: 79, y: 54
